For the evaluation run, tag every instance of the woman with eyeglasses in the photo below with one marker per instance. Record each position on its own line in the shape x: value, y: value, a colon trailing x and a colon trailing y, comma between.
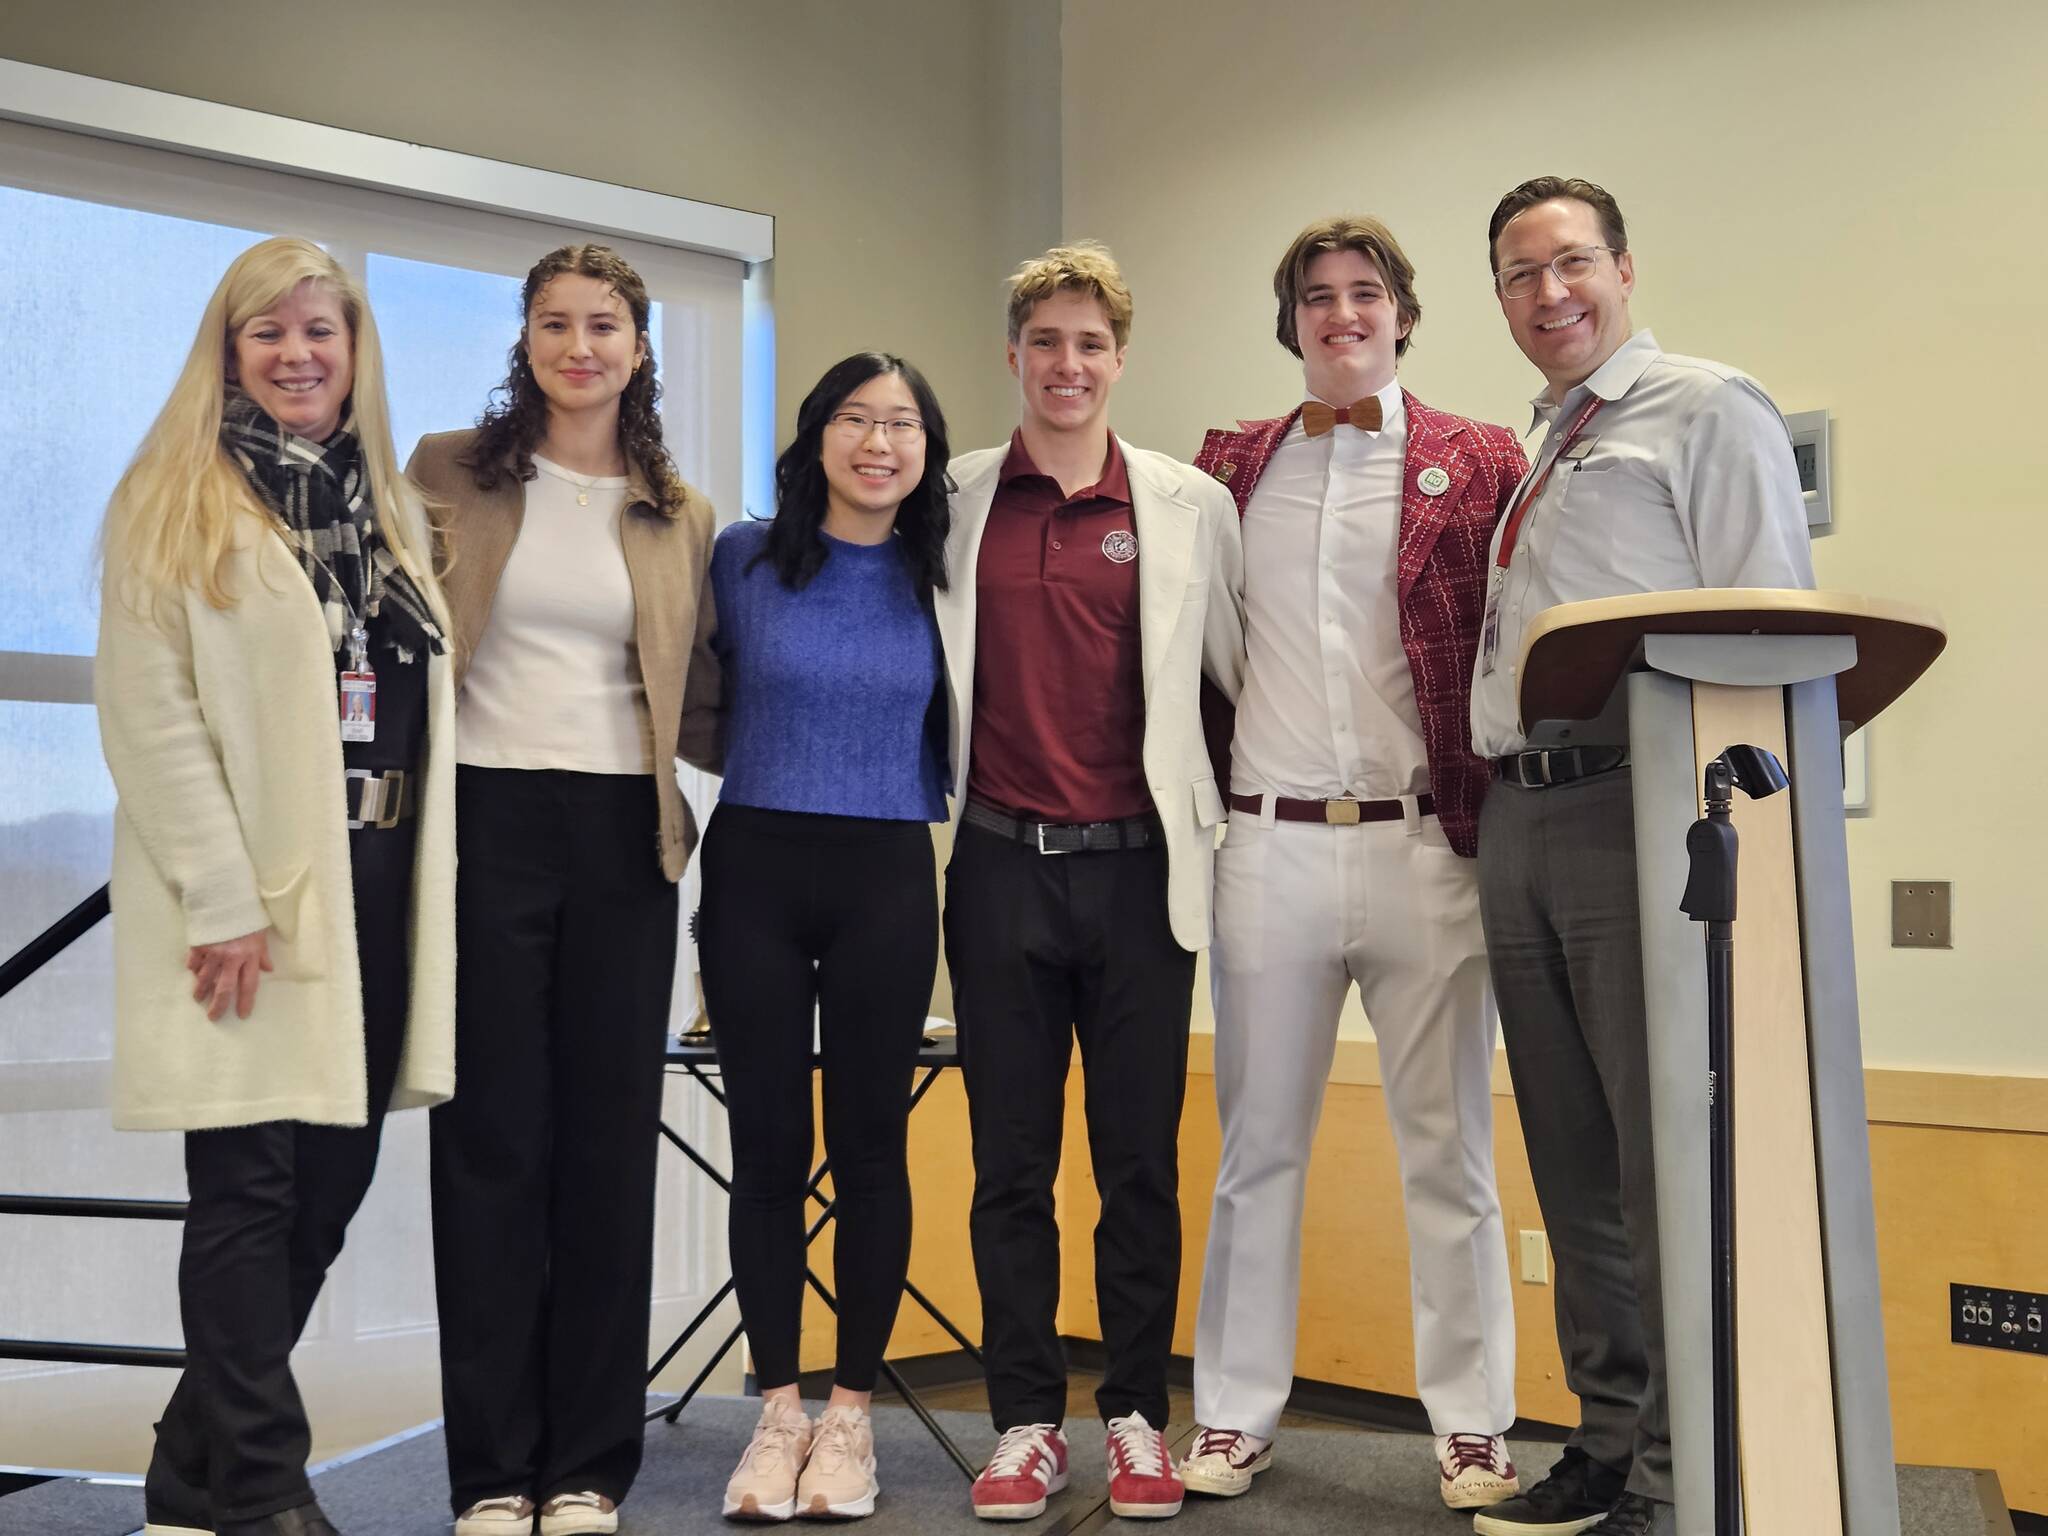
x: 820, y: 895
x: 578, y: 557
x: 277, y: 710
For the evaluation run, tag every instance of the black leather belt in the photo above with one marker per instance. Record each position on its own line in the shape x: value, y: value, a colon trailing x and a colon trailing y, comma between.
x: 377, y: 799
x: 1077, y: 837
x: 1544, y: 767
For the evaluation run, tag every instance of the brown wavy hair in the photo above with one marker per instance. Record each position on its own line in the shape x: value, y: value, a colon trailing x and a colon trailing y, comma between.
x: 516, y: 419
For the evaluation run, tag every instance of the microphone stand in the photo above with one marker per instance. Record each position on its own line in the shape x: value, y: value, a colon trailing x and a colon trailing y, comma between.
x: 1710, y: 898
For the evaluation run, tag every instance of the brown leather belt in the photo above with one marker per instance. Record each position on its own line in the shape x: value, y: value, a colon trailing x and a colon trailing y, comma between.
x: 1335, y: 813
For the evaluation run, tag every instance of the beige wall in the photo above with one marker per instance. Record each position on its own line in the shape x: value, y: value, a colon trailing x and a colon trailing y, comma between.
x: 1843, y: 199
x: 908, y: 152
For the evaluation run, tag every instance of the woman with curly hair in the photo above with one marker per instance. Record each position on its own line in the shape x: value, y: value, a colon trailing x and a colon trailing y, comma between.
x: 819, y: 894
x: 574, y: 557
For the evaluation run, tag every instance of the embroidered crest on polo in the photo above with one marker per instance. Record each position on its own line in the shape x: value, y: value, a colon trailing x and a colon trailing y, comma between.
x: 1120, y: 545
x: 1433, y: 481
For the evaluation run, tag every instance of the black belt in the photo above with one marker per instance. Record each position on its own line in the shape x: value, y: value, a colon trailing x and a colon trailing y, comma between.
x: 1078, y: 837
x: 1543, y: 767
x: 377, y: 799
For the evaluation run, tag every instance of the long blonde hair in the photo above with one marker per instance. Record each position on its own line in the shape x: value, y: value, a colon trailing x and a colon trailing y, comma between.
x: 171, y: 521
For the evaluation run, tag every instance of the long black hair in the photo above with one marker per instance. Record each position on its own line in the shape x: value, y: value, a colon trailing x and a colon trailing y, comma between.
x: 796, y: 548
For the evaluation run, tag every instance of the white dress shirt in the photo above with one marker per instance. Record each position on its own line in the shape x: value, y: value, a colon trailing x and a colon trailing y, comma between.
x: 1328, y: 708
x: 556, y: 676
x: 1684, y: 478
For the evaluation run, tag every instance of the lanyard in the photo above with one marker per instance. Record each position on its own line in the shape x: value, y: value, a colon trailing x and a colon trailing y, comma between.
x: 1513, y: 528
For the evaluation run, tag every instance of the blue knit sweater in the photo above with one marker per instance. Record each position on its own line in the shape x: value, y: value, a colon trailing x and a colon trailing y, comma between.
x: 835, y: 693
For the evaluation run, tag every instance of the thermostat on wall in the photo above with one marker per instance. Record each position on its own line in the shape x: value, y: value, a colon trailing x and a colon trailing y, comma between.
x: 1810, y: 452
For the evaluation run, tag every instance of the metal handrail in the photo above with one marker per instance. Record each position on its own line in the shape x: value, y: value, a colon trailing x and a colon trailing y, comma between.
x: 24, y: 963
x: 59, y: 936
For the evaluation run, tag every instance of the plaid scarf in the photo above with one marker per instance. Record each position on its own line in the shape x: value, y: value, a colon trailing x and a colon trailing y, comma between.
x: 321, y: 497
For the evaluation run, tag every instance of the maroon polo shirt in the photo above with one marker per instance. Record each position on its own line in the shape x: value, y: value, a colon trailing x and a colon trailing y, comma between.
x: 1059, y: 683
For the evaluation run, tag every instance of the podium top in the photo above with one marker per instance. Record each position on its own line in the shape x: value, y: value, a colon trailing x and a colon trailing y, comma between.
x: 1575, y: 653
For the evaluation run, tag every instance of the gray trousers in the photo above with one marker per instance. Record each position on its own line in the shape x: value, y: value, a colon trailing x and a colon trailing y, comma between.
x: 1557, y: 895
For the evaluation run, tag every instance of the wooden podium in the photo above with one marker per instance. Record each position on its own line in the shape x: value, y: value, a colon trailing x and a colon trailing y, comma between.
x: 1678, y: 677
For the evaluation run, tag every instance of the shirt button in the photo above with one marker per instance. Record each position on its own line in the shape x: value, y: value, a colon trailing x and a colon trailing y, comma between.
x: 1055, y: 543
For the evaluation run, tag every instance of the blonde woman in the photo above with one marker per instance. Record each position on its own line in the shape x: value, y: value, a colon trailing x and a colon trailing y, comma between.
x: 579, y: 555
x: 276, y: 709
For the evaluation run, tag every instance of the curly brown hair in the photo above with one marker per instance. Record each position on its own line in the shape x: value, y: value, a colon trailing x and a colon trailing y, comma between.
x: 516, y: 419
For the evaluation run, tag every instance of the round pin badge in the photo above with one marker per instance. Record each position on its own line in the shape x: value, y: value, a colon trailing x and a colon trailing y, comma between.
x: 1434, y: 481
x: 1120, y: 545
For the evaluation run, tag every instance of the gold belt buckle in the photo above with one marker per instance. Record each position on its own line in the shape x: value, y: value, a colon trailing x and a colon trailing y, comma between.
x: 1340, y: 813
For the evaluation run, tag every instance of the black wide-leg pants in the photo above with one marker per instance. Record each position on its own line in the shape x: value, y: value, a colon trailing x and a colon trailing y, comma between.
x: 544, y: 1162
x: 269, y: 1207
x: 1044, y: 950
x: 834, y: 918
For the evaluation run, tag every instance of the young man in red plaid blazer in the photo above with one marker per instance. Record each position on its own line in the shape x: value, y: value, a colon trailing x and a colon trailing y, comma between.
x: 1354, y: 801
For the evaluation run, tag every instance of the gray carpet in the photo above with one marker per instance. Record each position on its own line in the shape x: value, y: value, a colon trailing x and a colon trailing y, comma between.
x: 1321, y: 1480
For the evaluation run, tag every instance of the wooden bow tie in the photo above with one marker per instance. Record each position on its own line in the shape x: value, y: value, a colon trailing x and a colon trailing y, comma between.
x: 1318, y: 418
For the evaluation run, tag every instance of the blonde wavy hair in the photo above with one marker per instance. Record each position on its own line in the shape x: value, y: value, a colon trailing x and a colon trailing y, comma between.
x: 1086, y: 268
x: 172, y: 520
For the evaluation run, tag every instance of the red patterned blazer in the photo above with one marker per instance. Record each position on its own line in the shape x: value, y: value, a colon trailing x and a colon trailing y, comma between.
x: 1444, y: 541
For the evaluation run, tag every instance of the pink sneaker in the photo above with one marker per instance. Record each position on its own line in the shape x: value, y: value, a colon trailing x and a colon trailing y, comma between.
x: 1142, y: 1482
x: 1030, y: 1462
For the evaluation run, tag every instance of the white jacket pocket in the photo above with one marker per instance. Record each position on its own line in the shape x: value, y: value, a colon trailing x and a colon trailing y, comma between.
x: 298, y: 949
x: 1208, y: 803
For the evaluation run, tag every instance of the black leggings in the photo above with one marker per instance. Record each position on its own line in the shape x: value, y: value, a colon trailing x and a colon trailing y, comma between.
x: 840, y: 912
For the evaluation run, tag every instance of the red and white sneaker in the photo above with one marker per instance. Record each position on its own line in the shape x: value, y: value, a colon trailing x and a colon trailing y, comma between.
x: 1142, y: 1482
x: 1223, y: 1462
x: 1475, y: 1470
x: 1030, y: 1462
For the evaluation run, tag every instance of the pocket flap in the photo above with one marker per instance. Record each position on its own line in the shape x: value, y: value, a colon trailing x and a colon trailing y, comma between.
x: 1208, y: 803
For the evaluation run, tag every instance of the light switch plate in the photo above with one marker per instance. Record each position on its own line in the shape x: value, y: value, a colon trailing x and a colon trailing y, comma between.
x: 1920, y: 914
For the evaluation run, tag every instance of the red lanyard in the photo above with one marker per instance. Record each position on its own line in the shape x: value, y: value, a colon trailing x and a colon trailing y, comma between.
x: 1521, y: 509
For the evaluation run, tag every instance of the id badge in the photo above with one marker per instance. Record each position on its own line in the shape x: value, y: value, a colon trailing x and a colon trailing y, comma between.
x: 359, y: 706
x: 1489, y: 629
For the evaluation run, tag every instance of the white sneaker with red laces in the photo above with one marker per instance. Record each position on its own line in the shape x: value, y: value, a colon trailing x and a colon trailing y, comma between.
x: 1142, y: 1482
x: 1223, y: 1462
x: 1029, y: 1463
x: 1475, y: 1470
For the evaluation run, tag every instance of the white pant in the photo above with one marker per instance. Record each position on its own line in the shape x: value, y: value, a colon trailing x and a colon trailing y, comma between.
x: 1302, y: 911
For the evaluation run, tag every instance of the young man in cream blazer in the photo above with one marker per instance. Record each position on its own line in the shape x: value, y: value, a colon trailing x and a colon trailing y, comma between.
x: 1093, y: 586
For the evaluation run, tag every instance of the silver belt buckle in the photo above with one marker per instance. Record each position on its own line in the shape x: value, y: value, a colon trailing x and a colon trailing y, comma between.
x: 383, y: 794
x: 1041, y: 840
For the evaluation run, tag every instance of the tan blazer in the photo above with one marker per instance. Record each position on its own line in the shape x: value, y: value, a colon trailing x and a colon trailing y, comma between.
x: 668, y: 559
x: 1190, y: 624
x: 220, y: 730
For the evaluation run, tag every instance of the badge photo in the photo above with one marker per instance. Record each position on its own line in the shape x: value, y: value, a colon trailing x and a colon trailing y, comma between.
x: 1120, y: 545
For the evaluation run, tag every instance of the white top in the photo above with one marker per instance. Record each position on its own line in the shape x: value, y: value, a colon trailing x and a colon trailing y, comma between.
x: 1684, y: 478
x: 555, y: 682
x: 1328, y: 708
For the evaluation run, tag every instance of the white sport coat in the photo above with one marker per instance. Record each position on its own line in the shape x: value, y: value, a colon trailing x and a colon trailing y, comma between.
x: 1190, y: 623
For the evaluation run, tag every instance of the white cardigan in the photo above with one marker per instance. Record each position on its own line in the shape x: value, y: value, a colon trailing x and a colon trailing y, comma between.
x: 220, y: 729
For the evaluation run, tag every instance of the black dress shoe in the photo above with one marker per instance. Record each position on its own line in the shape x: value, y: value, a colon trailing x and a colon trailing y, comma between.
x: 301, y: 1520
x: 1576, y: 1495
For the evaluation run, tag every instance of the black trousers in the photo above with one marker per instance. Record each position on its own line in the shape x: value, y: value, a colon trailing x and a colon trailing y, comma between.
x: 544, y: 1161
x: 269, y: 1207
x: 1045, y: 949
x: 839, y: 913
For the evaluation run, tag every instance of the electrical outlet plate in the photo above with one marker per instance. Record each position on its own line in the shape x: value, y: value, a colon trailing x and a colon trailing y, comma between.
x: 1992, y: 1318
x: 1920, y: 914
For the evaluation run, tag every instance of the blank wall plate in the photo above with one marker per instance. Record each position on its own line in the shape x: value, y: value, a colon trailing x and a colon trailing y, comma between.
x: 1856, y: 772
x: 1920, y: 914
x: 1535, y: 1257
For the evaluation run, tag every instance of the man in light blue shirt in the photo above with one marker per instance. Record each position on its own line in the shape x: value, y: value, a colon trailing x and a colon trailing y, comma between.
x: 1657, y: 473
